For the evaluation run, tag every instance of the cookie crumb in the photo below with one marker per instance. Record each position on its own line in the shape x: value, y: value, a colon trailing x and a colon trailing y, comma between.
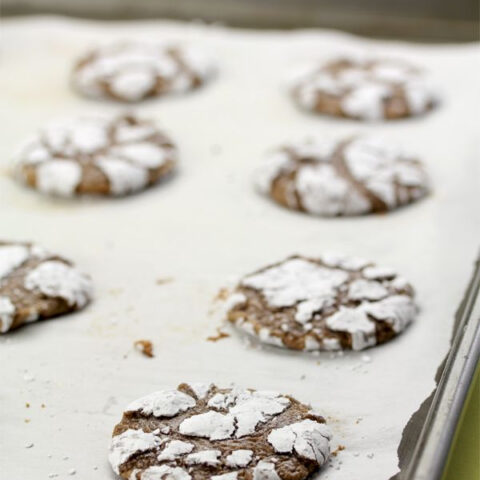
x: 42, y: 405
x: 219, y: 336
x: 145, y: 347
x: 27, y: 405
x: 27, y: 420
x: 222, y: 295
x: 164, y: 280
x: 337, y: 450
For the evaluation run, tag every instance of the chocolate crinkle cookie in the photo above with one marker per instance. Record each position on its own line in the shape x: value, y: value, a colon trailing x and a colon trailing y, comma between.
x: 115, y: 155
x: 356, y: 176
x: 36, y: 284
x: 133, y: 71
x: 203, y: 432
x: 365, y: 88
x: 334, y: 302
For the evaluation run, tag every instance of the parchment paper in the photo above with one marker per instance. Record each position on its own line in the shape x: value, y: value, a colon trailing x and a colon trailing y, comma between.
x: 206, y: 227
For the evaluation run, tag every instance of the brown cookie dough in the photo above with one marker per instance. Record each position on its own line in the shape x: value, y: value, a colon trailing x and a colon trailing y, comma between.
x: 96, y: 155
x: 365, y: 89
x: 357, y: 176
x: 35, y: 284
x: 202, y: 432
x: 130, y: 72
x: 330, y: 303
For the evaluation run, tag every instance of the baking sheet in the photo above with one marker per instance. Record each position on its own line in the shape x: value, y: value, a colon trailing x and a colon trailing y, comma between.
x: 206, y: 227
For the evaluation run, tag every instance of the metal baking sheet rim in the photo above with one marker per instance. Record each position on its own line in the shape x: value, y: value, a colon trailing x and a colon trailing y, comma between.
x: 423, y: 452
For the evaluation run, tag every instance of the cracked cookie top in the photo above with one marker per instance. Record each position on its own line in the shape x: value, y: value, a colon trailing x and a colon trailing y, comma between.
x: 365, y: 88
x: 115, y: 155
x: 36, y: 284
x: 334, y: 302
x: 130, y: 72
x: 357, y: 176
x: 200, y: 432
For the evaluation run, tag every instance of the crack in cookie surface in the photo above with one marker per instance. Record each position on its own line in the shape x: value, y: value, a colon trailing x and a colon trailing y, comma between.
x: 331, y: 303
x: 130, y: 72
x: 357, y: 176
x: 114, y: 155
x: 36, y: 284
x: 365, y: 89
x: 200, y: 432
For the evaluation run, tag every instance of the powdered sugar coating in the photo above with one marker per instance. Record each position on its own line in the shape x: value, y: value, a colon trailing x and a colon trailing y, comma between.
x: 175, y: 449
x: 324, y: 192
x: 128, y: 443
x: 11, y: 257
x: 57, y: 279
x: 7, y: 311
x: 234, y: 300
x: 123, y: 177
x: 397, y: 310
x: 204, y: 457
x: 58, y: 177
x: 265, y: 471
x: 247, y: 409
x: 200, y: 389
x: 205, y: 442
x: 328, y: 303
x: 346, y: 262
x: 365, y: 88
x: 130, y: 72
x: 225, y: 476
x: 211, y: 425
x: 165, y: 403
x: 114, y: 155
x: 356, y: 323
x: 307, y: 438
x: 239, y: 458
x: 295, y: 281
x: 35, y: 284
x: 163, y: 472
x: 354, y: 177
x: 362, y: 289
x: 379, y: 273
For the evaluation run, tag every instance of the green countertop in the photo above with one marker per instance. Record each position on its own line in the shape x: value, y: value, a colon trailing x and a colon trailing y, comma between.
x: 464, y: 458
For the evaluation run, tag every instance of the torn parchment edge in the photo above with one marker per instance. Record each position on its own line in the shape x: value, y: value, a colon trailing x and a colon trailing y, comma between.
x: 414, y: 458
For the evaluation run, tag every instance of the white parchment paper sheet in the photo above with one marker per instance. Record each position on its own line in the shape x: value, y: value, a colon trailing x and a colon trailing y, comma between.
x: 207, y: 226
